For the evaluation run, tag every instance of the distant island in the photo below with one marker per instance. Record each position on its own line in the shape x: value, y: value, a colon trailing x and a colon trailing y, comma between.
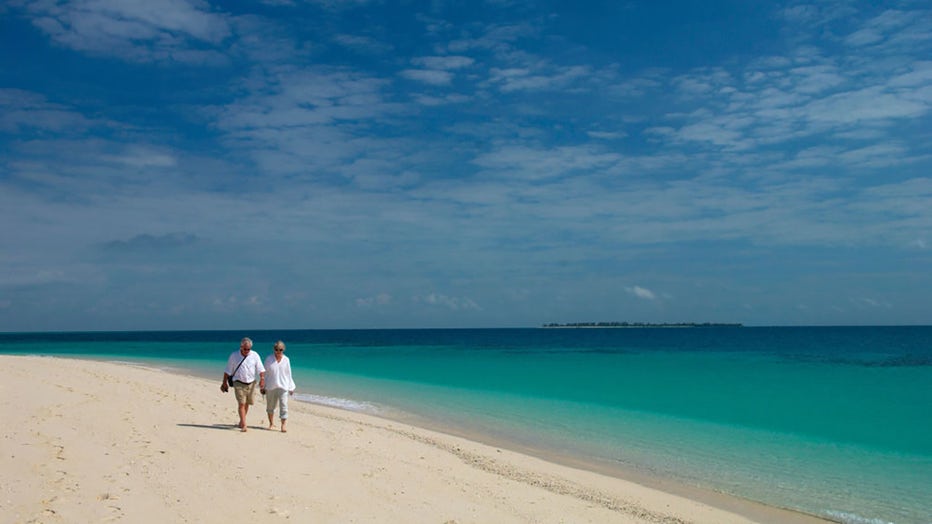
x: 638, y: 325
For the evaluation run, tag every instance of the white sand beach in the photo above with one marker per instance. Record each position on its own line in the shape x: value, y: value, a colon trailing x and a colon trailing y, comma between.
x: 87, y: 441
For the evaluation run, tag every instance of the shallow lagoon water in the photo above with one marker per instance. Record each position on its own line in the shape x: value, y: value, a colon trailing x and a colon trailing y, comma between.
x: 830, y: 421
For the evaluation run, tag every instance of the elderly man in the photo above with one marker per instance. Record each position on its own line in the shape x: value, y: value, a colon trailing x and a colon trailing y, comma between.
x: 242, y: 368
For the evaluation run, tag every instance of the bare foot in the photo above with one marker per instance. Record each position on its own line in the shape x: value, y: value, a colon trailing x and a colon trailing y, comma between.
x: 284, y: 430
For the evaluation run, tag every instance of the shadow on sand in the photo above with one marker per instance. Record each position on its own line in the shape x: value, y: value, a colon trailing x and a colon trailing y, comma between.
x: 212, y: 426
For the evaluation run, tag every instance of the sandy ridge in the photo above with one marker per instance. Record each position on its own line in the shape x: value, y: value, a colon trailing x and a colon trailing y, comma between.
x: 550, y: 483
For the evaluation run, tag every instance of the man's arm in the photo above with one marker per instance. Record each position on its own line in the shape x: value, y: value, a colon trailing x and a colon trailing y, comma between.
x: 261, y: 369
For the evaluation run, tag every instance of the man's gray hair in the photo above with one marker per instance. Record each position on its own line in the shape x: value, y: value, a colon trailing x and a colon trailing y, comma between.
x: 247, y: 341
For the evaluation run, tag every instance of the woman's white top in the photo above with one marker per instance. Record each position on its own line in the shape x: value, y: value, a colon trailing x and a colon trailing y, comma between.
x: 278, y: 374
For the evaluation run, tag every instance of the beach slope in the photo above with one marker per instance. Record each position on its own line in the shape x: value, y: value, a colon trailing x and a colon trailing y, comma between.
x: 87, y: 441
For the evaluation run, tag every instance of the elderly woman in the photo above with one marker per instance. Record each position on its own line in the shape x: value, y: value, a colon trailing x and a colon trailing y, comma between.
x: 279, y: 384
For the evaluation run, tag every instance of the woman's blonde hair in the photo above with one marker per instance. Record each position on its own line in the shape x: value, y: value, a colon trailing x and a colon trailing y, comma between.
x: 279, y: 345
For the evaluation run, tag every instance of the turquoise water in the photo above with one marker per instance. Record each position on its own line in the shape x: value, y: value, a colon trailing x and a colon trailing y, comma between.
x: 831, y: 421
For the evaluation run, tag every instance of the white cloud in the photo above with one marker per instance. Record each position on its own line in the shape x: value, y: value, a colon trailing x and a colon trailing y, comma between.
x: 142, y: 157
x: 920, y: 75
x: 879, y: 28
x: 452, y: 303
x: 533, y: 163
x: 236, y: 302
x: 542, y: 78
x: 443, y: 62
x: 22, y: 110
x: 864, y: 37
x: 439, y: 101
x: 381, y: 299
x: 814, y: 79
x: 363, y: 44
x: 308, y: 121
x: 135, y: 30
x: 720, y: 132
x: 428, y: 76
x: 499, y: 39
x: 642, y: 293
x: 871, y: 303
x: 607, y: 135
x: 647, y: 82
x: 869, y: 104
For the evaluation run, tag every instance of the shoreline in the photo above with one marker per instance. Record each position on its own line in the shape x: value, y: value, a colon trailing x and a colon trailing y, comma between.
x: 411, y: 465
x: 753, y: 510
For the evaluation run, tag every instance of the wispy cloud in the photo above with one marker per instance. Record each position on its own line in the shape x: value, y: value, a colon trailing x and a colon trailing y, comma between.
x: 24, y: 111
x: 871, y: 303
x: 443, y: 62
x: 147, y: 242
x: 187, y: 31
x: 428, y: 76
x: 363, y: 44
x: 382, y: 299
x: 452, y: 303
x: 642, y: 293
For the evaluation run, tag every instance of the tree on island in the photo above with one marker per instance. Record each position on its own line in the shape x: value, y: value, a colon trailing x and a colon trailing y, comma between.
x: 638, y: 325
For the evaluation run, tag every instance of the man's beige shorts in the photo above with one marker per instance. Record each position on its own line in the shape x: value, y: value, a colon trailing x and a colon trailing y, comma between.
x: 244, y: 392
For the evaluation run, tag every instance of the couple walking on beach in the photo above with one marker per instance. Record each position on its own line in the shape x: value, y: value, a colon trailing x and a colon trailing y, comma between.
x: 275, y: 381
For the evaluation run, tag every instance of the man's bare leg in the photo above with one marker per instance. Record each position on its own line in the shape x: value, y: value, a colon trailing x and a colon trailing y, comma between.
x: 283, y: 423
x: 271, y: 422
x: 243, y: 410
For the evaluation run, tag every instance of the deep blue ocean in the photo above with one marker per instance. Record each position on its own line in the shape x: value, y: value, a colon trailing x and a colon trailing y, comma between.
x: 833, y: 421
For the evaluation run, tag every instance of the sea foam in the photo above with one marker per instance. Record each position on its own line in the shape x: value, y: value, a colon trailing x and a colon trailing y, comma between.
x: 851, y: 518
x: 341, y: 403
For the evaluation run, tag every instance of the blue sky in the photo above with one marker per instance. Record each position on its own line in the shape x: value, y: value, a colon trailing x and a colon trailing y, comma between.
x: 192, y: 164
